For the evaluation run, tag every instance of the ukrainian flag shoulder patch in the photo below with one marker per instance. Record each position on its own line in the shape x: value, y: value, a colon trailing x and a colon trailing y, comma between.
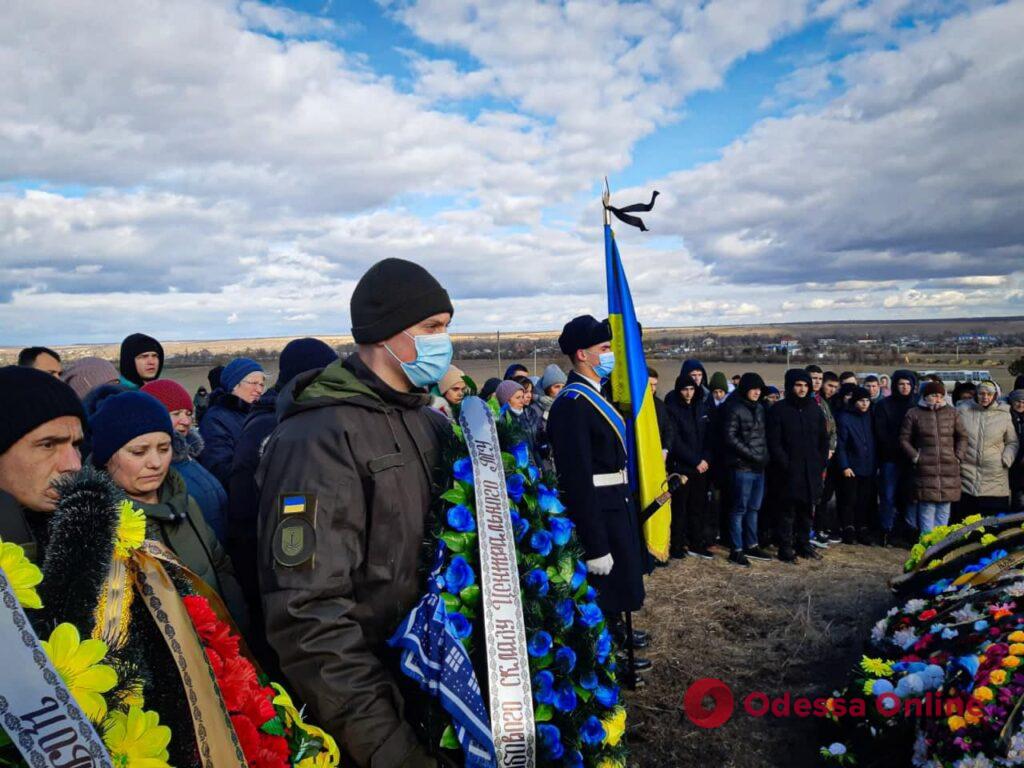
x: 293, y: 505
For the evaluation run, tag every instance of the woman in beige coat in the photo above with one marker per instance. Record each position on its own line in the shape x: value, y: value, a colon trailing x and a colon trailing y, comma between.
x: 991, y: 451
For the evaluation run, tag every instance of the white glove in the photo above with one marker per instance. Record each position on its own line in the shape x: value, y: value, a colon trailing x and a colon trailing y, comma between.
x: 602, y: 566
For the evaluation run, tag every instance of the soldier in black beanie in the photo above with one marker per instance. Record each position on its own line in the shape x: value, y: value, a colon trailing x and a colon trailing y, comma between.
x: 41, y: 426
x: 346, y: 484
x: 142, y: 360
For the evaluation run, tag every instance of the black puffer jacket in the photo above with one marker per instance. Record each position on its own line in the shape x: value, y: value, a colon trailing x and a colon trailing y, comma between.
x: 744, y: 428
x: 798, y: 441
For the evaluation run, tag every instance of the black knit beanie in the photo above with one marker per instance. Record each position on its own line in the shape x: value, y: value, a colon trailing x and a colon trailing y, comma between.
x: 393, y: 295
x: 132, y: 347
x: 31, y: 398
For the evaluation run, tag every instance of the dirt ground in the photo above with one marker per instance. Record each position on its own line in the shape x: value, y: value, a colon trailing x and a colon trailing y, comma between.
x: 774, y: 628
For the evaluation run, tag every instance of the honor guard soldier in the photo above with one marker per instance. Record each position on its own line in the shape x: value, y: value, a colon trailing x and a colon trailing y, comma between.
x: 346, y: 482
x: 588, y: 440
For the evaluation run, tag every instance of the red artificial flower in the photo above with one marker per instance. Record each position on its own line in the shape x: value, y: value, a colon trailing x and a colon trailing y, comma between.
x: 273, y: 752
x: 202, y: 615
x: 928, y: 615
x: 258, y: 706
x: 248, y: 737
x: 238, y: 678
x: 216, y: 662
x: 924, y: 642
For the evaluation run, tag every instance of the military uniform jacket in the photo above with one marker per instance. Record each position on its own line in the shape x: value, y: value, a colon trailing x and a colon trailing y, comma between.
x: 584, y: 444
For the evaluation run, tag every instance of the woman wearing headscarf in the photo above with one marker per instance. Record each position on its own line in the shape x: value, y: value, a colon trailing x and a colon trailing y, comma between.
x: 512, y: 398
x: 991, y: 451
x: 132, y: 441
x: 87, y: 373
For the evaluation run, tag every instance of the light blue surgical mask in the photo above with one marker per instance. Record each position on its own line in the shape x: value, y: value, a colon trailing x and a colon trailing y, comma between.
x: 433, y: 358
x: 605, y: 365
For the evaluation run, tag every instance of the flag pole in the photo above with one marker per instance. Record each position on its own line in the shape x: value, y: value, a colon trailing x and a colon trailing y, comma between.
x: 631, y: 679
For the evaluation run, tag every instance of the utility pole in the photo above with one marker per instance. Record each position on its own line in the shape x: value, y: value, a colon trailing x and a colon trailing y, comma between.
x: 535, y: 361
x: 499, y: 354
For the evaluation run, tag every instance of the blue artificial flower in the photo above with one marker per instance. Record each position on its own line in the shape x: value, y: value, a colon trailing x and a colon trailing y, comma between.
x: 547, y: 500
x: 949, y: 633
x: 911, y: 685
x: 544, y: 687
x: 460, y: 625
x: 565, y: 659
x: 460, y: 518
x: 463, y: 470
x: 588, y: 681
x: 573, y: 760
x: 537, y: 582
x: 515, y: 484
x: 985, y: 562
x: 603, y: 647
x: 980, y: 626
x: 881, y: 686
x: 532, y: 473
x: 521, y: 452
x: 561, y: 530
x: 565, y: 697
x: 933, y: 676
x: 564, y: 609
x: 590, y: 614
x: 540, y: 541
x: 579, y: 574
x: 550, y: 739
x: 938, y: 587
x: 590, y: 595
x: 540, y: 644
x: 458, y: 575
x: 592, y: 732
x: 607, y: 696
x: 519, y: 526
x: 970, y: 663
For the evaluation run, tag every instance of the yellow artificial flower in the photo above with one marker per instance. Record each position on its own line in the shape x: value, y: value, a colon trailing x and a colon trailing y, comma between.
x: 23, y: 575
x: 329, y: 755
x: 131, y: 530
x: 136, y: 739
x: 1011, y: 662
x: 933, y: 564
x: 1017, y: 649
x: 609, y: 763
x: 78, y: 662
x: 1016, y: 637
x: 868, y: 685
x: 916, y: 552
x: 614, y: 726
x: 997, y: 676
x: 971, y: 519
x: 983, y: 693
x: 987, y: 539
x: 876, y: 667
x: 956, y: 723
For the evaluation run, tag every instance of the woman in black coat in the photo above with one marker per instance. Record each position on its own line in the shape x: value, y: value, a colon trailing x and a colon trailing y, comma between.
x: 798, y: 443
x: 689, y: 454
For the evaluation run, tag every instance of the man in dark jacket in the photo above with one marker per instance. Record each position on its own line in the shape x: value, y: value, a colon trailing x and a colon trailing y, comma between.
x: 745, y: 453
x: 588, y: 441
x: 346, y: 484
x: 690, y: 455
x: 895, y: 473
x: 695, y: 369
x: 142, y: 360
x: 798, y: 443
x: 39, y: 437
x: 298, y: 356
x: 855, y: 460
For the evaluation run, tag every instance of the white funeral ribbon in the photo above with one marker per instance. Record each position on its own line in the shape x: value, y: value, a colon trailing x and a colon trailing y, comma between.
x: 38, y: 713
x: 508, y: 666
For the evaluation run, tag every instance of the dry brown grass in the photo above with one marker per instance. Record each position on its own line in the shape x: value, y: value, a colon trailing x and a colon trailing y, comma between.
x: 775, y: 628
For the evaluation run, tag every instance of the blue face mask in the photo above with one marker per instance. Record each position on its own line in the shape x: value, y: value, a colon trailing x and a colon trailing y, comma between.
x: 605, y: 365
x: 433, y: 358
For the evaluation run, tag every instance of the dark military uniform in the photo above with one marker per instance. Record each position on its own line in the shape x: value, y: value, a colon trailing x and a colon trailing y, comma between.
x: 588, y: 452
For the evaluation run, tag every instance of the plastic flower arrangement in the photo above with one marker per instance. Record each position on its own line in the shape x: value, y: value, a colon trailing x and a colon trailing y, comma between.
x: 955, y: 639
x: 576, y: 698
x: 114, y: 656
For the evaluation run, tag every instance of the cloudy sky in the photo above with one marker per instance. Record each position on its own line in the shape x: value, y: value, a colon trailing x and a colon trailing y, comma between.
x: 211, y: 168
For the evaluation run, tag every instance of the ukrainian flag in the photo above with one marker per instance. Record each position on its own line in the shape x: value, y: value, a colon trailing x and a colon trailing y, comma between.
x: 632, y: 394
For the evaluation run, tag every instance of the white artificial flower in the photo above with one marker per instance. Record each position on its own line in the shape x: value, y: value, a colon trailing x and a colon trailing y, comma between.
x: 905, y: 638
x: 878, y: 631
x: 915, y: 606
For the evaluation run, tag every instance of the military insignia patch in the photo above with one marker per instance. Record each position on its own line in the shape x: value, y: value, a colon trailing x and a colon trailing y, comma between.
x: 294, y: 542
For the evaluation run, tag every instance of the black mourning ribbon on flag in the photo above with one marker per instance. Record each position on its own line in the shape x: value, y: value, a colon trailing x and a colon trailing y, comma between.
x: 622, y: 214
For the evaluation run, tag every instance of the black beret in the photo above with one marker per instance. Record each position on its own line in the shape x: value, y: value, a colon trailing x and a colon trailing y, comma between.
x: 583, y: 332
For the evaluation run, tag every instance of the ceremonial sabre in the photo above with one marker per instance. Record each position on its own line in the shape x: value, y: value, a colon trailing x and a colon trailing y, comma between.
x: 508, y: 667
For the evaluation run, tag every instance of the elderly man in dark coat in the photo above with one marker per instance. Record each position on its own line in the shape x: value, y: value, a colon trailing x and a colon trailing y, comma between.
x: 798, y: 442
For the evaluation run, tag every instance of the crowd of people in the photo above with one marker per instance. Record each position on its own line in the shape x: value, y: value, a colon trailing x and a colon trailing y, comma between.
x: 344, y: 451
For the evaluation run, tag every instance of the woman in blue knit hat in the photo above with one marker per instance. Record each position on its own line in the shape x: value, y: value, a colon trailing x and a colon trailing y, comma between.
x: 131, y: 440
x: 242, y: 382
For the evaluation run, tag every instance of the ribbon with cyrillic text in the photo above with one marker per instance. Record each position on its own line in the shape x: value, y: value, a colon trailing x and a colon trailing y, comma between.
x: 508, y: 665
